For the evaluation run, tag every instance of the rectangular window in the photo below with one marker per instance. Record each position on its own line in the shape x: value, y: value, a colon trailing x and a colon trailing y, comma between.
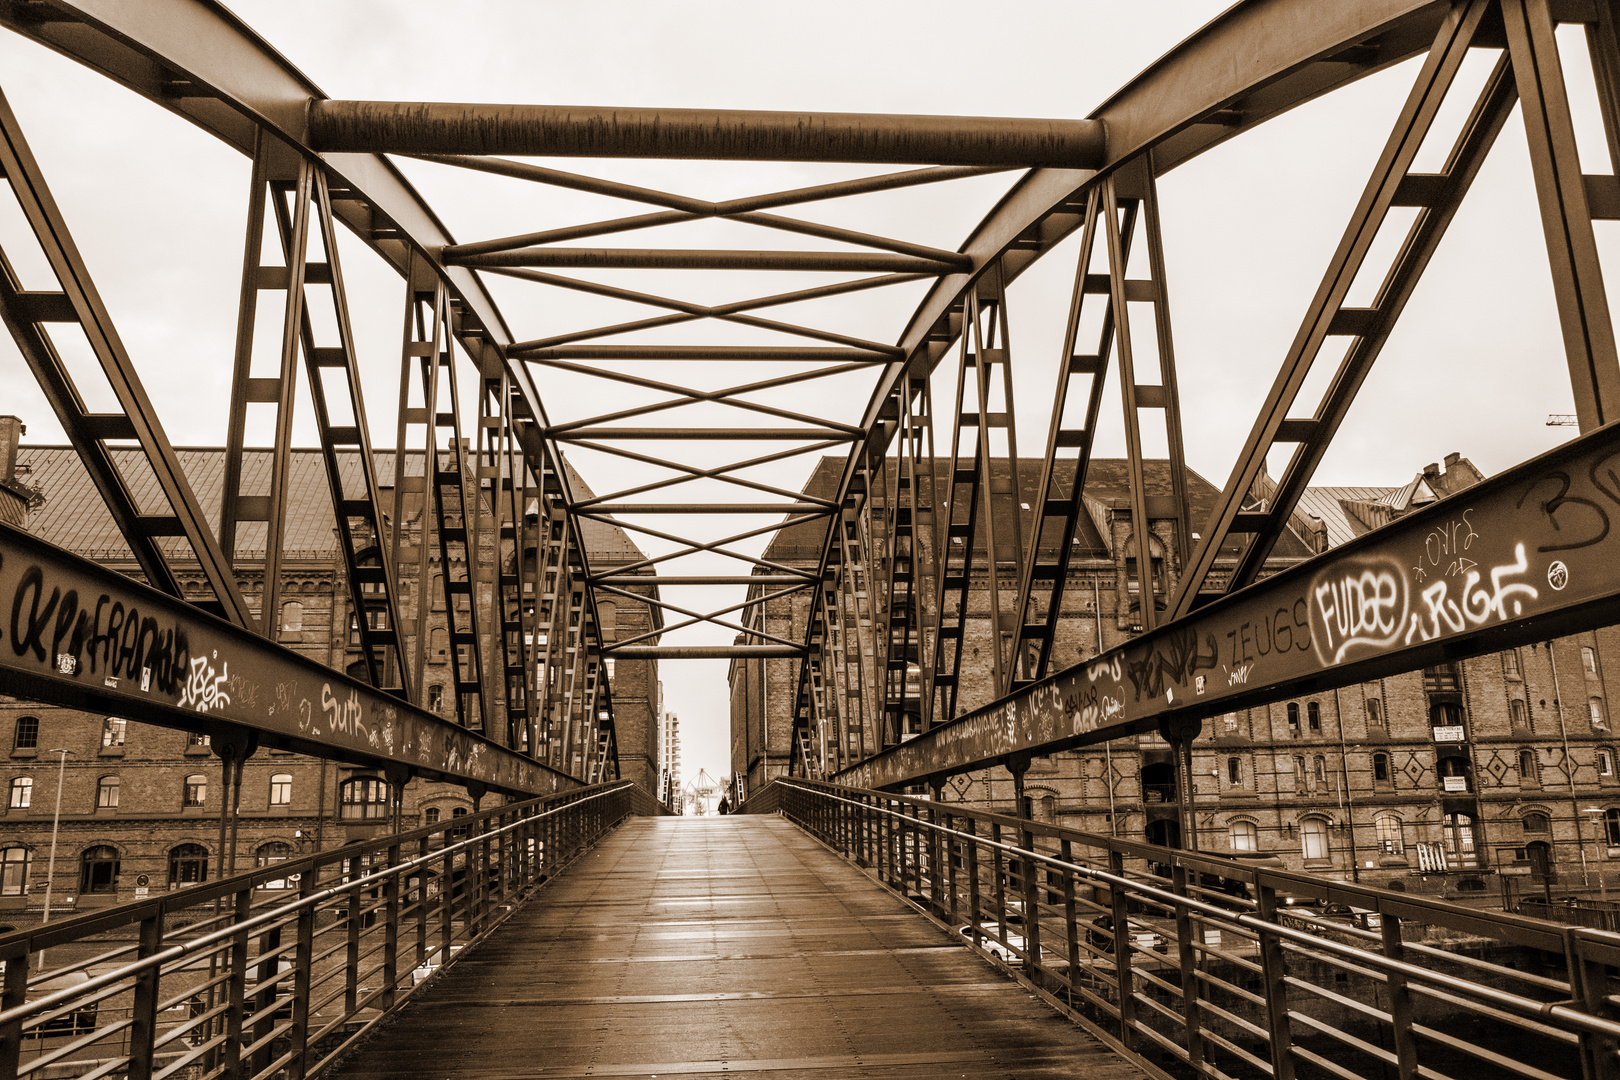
x: 1375, y: 713
x: 1605, y: 761
x: 1589, y: 659
x: 1595, y: 707
x: 1234, y: 771
x: 107, y: 793
x: 195, y: 792
x: 1380, y: 766
x: 1313, y: 716
x: 281, y: 789
x: 1293, y: 719
x: 112, y: 733
x: 1510, y: 664
x: 22, y: 793
x: 27, y: 734
x: 1519, y: 713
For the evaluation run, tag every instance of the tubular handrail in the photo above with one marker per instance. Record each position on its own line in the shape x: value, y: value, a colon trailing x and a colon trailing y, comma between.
x: 276, y: 914
x: 944, y: 866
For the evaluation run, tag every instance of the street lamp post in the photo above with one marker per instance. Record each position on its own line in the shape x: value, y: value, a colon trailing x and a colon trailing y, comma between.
x: 56, y: 821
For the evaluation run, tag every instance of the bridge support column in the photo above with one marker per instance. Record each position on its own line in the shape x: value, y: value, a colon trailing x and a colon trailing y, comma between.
x: 1180, y: 733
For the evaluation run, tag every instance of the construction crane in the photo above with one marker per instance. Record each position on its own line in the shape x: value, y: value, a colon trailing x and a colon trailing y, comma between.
x: 1559, y: 419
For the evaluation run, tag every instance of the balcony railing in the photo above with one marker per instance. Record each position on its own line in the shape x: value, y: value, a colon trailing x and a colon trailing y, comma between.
x: 278, y: 972
x: 1221, y: 969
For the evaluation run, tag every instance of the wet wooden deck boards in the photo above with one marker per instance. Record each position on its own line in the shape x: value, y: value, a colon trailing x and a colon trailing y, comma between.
x: 688, y: 947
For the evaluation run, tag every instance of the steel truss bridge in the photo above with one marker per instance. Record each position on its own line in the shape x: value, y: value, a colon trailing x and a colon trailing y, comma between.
x: 283, y: 970
x: 901, y: 536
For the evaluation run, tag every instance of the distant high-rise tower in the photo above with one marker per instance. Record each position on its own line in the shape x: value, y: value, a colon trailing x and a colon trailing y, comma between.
x: 669, y: 755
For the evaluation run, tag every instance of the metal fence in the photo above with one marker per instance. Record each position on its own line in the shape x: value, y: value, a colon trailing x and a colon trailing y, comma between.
x: 277, y: 972
x: 1203, y: 965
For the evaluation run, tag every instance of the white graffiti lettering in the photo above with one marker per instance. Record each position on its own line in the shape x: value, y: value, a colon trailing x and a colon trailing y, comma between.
x: 1357, y: 607
x: 203, y: 689
x: 1442, y: 613
x: 1444, y: 545
x: 342, y: 717
x: 1238, y: 676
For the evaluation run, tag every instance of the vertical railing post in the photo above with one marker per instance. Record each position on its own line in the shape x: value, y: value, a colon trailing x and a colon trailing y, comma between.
x: 391, y: 928
x: 447, y: 899
x: 1400, y: 1002
x: 1192, y: 1013
x: 936, y: 881
x: 1032, y: 899
x: 13, y: 995
x: 1071, y: 927
x: 303, y: 979
x: 951, y: 857
x: 422, y: 907
x: 230, y: 1052
x: 1590, y: 983
x: 143, y: 1013
x: 998, y: 882
x: 1122, y: 953
x: 351, y: 967
x: 1274, y: 971
x: 972, y: 845
x: 264, y: 997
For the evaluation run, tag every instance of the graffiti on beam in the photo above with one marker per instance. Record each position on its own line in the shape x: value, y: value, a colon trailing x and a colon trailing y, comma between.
x: 57, y: 622
x: 1504, y: 557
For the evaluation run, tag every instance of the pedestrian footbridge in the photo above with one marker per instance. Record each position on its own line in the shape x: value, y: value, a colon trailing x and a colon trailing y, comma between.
x: 828, y: 931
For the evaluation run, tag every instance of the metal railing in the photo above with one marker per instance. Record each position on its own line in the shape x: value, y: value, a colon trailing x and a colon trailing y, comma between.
x: 278, y: 972
x: 1202, y: 965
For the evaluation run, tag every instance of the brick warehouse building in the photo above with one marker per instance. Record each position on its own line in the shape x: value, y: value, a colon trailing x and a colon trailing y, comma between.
x: 141, y: 805
x: 1453, y: 781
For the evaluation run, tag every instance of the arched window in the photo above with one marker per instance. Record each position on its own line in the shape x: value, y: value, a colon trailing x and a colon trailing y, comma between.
x: 26, y: 734
x: 273, y: 852
x: 1519, y: 714
x: 1293, y: 719
x: 292, y: 617
x: 1605, y: 763
x: 281, y: 789
x: 107, y: 793
x: 1313, y: 716
x: 1536, y: 822
x: 13, y: 871
x: 1319, y: 772
x: 1589, y: 659
x: 188, y: 865
x: 1380, y: 769
x: 1510, y: 663
x: 1314, y: 839
x: 1611, y: 826
x: 1299, y: 772
x: 195, y: 790
x: 458, y: 812
x: 1599, y: 717
x: 98, y: 870
x: 362, y: 798
x: 1529, y: 770
x: 1242, y: 836
x: 1457, y: 837
x: 22, y: 792
x: 1454, y: 773
x: 430, y: 816
x: 438, y: 645
x: 1387, y: 827
x: 435, y: 697
x: 113, y: 731
x: 1375, y: 713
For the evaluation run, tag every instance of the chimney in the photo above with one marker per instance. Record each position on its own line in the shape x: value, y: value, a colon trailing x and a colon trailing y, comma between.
x: 1451, y: 459
x: 11, y: 433
x: 1431, y: 470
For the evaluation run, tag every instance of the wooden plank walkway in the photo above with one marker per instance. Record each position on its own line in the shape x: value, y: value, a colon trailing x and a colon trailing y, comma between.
x: 687, y: 947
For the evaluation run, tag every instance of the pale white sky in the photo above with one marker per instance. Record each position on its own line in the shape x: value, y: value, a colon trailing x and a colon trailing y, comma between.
x: 158, y: 209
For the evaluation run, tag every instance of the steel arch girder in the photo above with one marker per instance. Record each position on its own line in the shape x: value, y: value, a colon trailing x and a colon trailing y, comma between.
x: 1266, y: 57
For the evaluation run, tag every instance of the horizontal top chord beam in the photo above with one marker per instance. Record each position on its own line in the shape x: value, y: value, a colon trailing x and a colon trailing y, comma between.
x: 430, y: 127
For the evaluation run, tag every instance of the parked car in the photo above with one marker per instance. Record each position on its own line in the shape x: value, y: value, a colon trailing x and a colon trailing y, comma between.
x: 80, y: 1021
x: 1101, y: 936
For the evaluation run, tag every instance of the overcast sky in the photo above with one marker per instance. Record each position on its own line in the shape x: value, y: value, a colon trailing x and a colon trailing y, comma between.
x: 158, y: 208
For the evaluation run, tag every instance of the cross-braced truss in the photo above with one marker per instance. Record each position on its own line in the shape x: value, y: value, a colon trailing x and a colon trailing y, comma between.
x: 703, y: 373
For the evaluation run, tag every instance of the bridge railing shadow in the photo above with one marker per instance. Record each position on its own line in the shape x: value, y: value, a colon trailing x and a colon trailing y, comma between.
x: 1202, y: 965
x: 279, y: 971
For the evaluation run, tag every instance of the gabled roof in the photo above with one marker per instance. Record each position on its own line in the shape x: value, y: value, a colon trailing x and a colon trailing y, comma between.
x: 74, y: 517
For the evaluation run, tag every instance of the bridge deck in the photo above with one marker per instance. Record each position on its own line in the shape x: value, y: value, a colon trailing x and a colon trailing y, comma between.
x: 686, y: 947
